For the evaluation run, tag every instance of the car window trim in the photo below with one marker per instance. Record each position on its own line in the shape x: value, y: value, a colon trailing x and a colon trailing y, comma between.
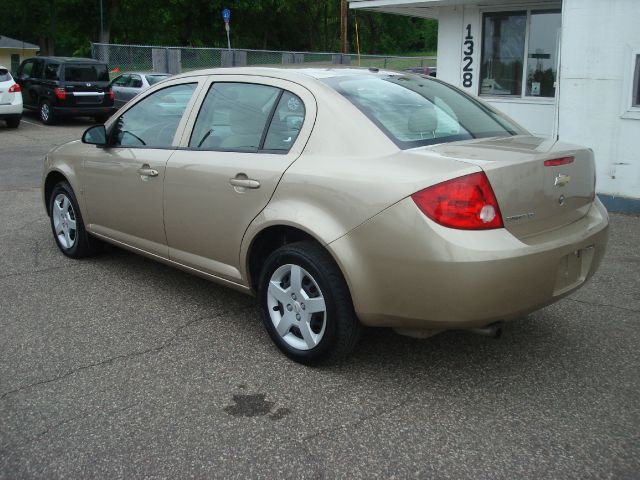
x: 267, y: 125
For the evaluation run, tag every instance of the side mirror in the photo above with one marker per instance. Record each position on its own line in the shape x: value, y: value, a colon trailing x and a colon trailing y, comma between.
x: 96, y: 135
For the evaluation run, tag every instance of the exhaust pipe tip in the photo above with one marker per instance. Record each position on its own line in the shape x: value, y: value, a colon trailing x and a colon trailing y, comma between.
x: 493, y: 330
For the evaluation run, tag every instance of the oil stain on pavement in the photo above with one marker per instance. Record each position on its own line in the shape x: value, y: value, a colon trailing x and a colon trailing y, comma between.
x: 255, y: 405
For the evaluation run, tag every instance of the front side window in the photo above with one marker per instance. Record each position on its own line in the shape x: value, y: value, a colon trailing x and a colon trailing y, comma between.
x: 233, y: 117
x: 413, y: 111
x: 26, y: 70
x: 636, y: 84
x: 503, y: 36
x: 86, y: 73
x: 136, y: 81
x: 38, y: 69
x: 121, y: 81
x: 153, y: 121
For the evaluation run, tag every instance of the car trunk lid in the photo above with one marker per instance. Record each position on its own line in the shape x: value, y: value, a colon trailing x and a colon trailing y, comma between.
x: 533, y: 196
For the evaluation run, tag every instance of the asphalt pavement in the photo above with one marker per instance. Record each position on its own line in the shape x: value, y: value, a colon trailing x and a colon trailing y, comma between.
x: 120, y: 367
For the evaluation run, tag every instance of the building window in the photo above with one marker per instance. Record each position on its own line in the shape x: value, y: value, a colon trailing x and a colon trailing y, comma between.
x: 505, y: 69
x: 636, y: 84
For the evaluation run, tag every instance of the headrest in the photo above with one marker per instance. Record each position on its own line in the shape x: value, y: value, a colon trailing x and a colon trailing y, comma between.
x: 423, y: 120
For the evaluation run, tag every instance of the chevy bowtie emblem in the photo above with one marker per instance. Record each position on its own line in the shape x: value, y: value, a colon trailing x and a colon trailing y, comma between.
x: 562, y: 180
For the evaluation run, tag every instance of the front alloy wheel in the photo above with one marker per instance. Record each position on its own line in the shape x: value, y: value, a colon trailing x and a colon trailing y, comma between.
x: 64, y: 221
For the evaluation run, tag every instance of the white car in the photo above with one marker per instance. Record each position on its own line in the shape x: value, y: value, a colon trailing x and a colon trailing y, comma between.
x: 10, y: 99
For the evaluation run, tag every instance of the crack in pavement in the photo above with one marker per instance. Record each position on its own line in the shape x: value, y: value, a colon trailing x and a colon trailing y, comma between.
x: 166, y: 343
x: 605, y: 305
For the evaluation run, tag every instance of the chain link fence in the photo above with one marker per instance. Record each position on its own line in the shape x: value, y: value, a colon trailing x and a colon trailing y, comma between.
x: 122, y: 58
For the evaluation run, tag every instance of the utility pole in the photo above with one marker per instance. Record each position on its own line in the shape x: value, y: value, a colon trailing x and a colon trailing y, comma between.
x: 343, y: 26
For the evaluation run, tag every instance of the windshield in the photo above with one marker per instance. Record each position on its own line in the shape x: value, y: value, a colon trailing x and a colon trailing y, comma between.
x: 414, y: 111
x: 153, y: 79
x: 5, y: 76
x: 86, y: 73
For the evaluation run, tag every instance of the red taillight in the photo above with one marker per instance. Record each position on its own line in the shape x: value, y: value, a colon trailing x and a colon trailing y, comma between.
x: 112, y: 95
x: 467, y: 203
x: 15, y: 88
x: 60, y: 93
x: 558, y: 161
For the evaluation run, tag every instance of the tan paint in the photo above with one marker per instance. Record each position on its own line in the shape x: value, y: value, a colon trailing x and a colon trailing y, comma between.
x: 349, y: 186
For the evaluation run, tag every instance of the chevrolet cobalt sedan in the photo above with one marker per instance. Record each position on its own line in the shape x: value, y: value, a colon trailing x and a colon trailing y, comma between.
x: 341, y: 198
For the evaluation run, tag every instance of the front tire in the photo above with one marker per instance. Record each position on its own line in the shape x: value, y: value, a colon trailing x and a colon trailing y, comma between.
x: 46, y: 113
x: 306, y: 305
x: 66, y: 223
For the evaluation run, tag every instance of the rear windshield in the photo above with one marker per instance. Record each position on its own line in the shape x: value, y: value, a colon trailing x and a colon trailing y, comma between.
x: 153, y: 79
x: 414, y: 111
x: 86, y: 73
x: 5, y: 76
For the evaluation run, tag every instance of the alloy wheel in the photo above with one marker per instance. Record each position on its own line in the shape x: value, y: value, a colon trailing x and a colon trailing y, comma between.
x: 64, y: 221
x: 296, y: 307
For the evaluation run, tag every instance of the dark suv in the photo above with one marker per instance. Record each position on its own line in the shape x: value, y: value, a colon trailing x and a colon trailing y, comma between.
x: 66, y: 87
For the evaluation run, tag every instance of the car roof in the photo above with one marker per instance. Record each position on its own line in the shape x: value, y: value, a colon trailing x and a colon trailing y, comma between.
x: 145, y: 73
x: 67, y: 59
x: 294, y: 74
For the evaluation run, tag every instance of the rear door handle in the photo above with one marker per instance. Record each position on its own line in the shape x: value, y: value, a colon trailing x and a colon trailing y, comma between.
x: 244, y: 182
x: 145, y: 171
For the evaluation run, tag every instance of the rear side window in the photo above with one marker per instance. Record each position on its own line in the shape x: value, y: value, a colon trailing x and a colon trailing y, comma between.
x: 233, y: 117
x: 413, y: 111
x: 153, y: 79
x: 5, y: 76
x: 86, y: 73
x: 52, y: 71
x: 285, y: 124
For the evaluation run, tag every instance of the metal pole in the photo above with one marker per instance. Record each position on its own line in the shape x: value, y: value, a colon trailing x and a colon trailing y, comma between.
x: 226, y: 27
x: 101, y: 23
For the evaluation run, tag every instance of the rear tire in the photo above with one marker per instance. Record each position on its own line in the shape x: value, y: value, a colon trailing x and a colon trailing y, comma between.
x: 67, y: 225
x: 101, y: 118
x: 13, y: 122
x: 306, y: 304
x: 46, y: 113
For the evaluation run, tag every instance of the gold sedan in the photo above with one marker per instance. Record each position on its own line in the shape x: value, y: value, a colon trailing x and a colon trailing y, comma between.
x: 340, y: 197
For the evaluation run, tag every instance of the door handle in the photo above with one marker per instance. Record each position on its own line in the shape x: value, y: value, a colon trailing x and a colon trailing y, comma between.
x: 145, y: 171
x: 243, y: 182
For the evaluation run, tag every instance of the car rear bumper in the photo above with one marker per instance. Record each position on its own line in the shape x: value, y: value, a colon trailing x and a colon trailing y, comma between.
x: 405, y: 271
x: 83, y: 111
x: 13, y: 109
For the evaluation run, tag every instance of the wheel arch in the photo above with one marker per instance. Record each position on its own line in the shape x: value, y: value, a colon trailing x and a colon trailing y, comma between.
x: 52, y: 179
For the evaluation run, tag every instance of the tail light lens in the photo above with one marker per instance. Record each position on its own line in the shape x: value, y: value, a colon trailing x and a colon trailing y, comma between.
x: 466, y: 203
x: 60, y: 93
x: 111, y: 94
x: 15, y: 88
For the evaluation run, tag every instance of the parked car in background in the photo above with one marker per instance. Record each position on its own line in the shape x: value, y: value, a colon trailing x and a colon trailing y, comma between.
x: 10, y: 99
x: 128, y: 85
x: 58, y: 87
x: 423, y: 208
x: 429, y: 71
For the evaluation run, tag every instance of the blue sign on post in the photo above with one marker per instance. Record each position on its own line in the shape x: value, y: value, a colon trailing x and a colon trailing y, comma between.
x: 226, y: 15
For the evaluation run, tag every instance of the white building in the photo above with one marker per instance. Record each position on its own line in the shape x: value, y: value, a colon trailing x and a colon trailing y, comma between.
x: 564, y: 68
